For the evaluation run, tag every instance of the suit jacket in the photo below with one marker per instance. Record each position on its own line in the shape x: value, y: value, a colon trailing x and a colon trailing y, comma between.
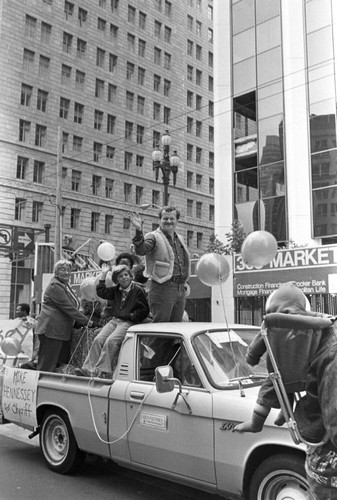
x: 59, y: 312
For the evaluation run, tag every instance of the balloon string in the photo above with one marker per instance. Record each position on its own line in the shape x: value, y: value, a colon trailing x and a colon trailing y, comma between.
x: 242, y: 394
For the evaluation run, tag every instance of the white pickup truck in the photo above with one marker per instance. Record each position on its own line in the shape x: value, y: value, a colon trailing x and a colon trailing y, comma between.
x: 169, y: 411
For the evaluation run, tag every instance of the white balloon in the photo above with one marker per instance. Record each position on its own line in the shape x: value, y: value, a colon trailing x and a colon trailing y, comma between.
x: 106, y: 251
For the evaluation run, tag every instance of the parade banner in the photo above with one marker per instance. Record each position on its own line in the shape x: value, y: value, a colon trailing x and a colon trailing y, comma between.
x: 313, y: 270
x: 19, y: 396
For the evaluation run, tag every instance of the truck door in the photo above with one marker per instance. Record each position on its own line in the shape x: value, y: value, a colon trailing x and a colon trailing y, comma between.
x: 176, y: 440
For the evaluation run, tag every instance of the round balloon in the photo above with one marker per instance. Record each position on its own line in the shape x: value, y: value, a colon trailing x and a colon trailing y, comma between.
x: 258, y: 249
x: 88, y: 289
x: 212, y: 269
x: 106, y: 251
x: 10, y: 346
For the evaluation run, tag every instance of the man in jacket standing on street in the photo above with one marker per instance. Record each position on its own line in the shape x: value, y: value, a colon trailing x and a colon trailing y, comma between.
x: 167, y: 265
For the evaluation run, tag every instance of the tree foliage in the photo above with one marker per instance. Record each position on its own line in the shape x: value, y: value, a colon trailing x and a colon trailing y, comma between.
x: 234, y: 240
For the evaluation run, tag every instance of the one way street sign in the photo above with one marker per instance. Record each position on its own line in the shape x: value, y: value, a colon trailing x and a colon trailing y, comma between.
x: 24, y: 240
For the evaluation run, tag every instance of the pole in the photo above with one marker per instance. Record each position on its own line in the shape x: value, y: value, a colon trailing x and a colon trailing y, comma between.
x: 166, y: 172
x: 58, y: 201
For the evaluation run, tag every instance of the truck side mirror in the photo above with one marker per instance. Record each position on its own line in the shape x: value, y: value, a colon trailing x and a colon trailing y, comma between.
x: 164, y: 382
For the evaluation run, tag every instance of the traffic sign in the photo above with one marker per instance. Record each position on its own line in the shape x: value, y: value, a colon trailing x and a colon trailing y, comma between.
x: 24, y: 240
x: 5, y: 237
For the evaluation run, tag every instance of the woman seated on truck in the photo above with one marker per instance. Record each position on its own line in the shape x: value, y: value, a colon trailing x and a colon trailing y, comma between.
x: 129, y: 306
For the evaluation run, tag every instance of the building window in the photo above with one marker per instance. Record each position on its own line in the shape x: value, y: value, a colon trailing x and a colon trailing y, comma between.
x: 114, y: 31
x: 127, y: 193
x: 210, y: 35
x: 189, y: 47
x: 109, y: 188
x: 155, y: 197
x: 75, y: 218
x: 157, y: 56
x: 65, y: 74
x: 110, y: 152
x: 156, y: 111
x: 42, y: 99
x: 189, y: 125
x: 198, y: 77
x: 112, y: 63
x: 28, y: 60
x: 141, y: 47
x: 101, y: 25
x: 100, y: 57
x: 96, y: 184
x: 211, y: 186
x: 64, y: 107
x: 139, y: 161
x: 189, y: 208
x: 127, y: 160
x: 40, y: 136
x: 26, y: 94
x: 65, y: 142
x: 210, y: 59
x: 68, y: 9
x: 198, y: 128
x: 128, y: 130
x: 142, y: 20
x: 167, y: 34
x: 139, y: 195
x: 210, y: 108
x: 211, y: 213
x: 126, y: 223
x: 211, y: 159
x: 167, y: 88
x: 131, y: 14
x: 156, y: 83
x: 102, y: 3
x: 199, y: 240
x: 210, y: 83
x: 98, y: 148
x: 131, y: 43
x: 112, y: 93
x: 24, y: 131
x: 189, y: 99
x: 98, y: 119
x: 167, y: 115
x: 99, y: 89
x: 78, y: 112
x: 157, y: 29
x: 189, y: 180
x: 38, y: 172
x: 189, y: 73
x: 167, y: 60
x: 82, y: 16
x: 198, y: 182
x: 81, y: 48
x: 130, y: 69
x: 198, y: 155
x: 210, y: 13
x: 114, y: 5
x: 75, y: 180
x: 95, y: 222
x: 158, y: 5
x: 129, y: 100
x: 20, y: 205
x: 198, y: 28
x: 108, y: 224
x: 168, y: 8
x: 189, y: 238
x: 156, y: 139
x: 77, y: 143
x: 140, y: 105
x: 211, y: 134
x: 80, y: 80
x: 45, y: 33
x: 67, y: 42
x: 140, y: 134
x: 198, y: 102
x: 189, y: 153
x: 30, y: 26
x: 198, y: 52
x: 37, y: 210
x: 21, y: 167
x: 189, y: 22
x: 141, y: 76
x: 111, y: 122
x: 198, y: 211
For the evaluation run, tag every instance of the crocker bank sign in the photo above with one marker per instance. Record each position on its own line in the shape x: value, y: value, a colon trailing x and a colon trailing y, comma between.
x: 314, y: 270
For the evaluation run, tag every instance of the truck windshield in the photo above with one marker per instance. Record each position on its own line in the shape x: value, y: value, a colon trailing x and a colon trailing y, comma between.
x: 222, y: 354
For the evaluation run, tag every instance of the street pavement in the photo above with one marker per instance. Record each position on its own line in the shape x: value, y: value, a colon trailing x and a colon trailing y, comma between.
x: 25, y: 476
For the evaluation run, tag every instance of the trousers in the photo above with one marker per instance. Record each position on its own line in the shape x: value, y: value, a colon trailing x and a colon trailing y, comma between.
x: 167, y: 301
x: 103, y: 354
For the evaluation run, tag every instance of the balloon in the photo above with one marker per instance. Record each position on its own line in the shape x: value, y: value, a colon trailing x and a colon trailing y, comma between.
x: 10, y: 346
x: 212, y: 269
x: 259, y: 248
x: 88, y: 288
x: 106, y: 251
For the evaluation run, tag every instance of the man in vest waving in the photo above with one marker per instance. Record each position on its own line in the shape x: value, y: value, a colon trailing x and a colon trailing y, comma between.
x: 167, y: 265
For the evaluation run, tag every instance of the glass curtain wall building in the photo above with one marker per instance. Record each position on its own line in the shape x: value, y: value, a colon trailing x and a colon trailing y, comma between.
x: 275, y: 119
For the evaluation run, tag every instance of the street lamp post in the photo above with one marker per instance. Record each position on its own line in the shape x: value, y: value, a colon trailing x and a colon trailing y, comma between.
x: 165, y: 163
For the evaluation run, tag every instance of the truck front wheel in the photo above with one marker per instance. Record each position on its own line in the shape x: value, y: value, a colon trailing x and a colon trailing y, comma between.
x: 280, y: 477
x: 58, y: 443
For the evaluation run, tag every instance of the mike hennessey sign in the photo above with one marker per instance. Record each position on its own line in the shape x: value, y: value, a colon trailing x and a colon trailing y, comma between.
x: 314, y: 270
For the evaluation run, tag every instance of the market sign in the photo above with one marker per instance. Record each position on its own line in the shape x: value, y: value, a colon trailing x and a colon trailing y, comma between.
x: 314, y: 271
